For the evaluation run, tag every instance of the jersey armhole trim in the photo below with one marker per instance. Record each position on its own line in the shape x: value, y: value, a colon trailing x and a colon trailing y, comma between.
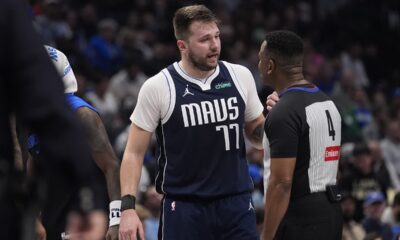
x: 172, y: 96
x: 236, y: 81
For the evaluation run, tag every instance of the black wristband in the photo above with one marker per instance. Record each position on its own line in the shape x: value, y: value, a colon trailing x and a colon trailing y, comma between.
x: 128, y: 202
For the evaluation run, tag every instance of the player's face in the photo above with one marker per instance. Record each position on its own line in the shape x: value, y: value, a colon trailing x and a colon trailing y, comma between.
x: 204, y: 45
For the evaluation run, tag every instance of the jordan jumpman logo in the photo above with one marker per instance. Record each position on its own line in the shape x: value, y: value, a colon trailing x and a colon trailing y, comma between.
x: 187, y: 91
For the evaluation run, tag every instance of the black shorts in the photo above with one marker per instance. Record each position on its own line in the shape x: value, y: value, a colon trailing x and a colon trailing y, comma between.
x: 227, y: 218
x: 311, y: 217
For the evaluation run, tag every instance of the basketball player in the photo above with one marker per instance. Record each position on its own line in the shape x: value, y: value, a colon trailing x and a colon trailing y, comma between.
x: 31, y: 90
x: 198, y: 108
x: 303, y: 132
x: 54, y: 216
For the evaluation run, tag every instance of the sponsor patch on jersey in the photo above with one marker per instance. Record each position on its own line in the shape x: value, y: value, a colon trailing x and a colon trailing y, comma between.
x: 223, y: 85
x: 332, y: 153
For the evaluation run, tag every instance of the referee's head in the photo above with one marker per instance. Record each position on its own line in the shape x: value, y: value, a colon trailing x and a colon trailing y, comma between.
x: 281, y: 56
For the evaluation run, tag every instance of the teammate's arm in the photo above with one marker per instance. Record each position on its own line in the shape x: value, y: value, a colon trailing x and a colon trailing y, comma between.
x: 278, y: 194
x: 255, y: 131
x: 131, y: 167
x: 105, y: 159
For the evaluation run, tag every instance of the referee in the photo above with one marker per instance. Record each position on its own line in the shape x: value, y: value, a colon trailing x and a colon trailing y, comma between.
x: 303, y: 132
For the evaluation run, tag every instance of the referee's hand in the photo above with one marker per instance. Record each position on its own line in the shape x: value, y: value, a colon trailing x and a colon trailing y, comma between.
x: 130, y: 226
x: 272, y: 99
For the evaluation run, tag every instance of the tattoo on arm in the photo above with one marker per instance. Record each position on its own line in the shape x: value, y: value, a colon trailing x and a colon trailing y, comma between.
x: 258, y: 133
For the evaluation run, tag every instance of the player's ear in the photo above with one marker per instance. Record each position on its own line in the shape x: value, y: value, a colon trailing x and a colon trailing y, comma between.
x: 271, y: 66
x: 181, y: 45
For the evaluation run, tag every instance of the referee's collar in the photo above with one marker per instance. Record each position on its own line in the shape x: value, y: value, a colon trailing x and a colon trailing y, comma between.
x: 301, y: 87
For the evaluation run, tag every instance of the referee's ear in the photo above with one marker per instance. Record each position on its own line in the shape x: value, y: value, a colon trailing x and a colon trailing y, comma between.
x: 271, y: 66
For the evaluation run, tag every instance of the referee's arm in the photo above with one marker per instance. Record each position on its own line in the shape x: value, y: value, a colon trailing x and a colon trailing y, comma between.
x: 282, y: 128
x: 278, y: 194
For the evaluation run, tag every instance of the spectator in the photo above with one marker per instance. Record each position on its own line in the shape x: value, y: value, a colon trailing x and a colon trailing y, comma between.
x: 391, y: 151
x: 102, y: 100
x: 359, y: 178
x: 391, y: 214
x: 127, y: 82
x: 52, y: 24
x: 374, y: 205
x: 102, y: 51
x: 352, y: 230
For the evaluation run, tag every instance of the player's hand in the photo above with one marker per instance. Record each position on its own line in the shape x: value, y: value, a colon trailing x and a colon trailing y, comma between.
x: 130, y: 226
x: 112, y: 233
x: 272, y: 99
x: 40, y: 231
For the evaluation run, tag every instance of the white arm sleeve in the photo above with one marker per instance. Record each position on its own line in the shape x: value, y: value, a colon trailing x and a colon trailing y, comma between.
x: 247, y: 84
x: 152, y: 102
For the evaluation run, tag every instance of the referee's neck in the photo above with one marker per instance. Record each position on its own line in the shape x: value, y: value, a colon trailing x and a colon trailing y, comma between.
x: 289, y: 80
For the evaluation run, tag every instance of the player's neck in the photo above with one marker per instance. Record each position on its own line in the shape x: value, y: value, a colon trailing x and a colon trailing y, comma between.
x: 193, y: 71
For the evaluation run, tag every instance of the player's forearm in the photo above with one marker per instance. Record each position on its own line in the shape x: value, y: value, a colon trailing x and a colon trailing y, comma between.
x: 131, y: 169
x: 277, y: 200
x: 257, y: 136
x: 255, y: 131
x: 106, y: 160
x: 112, y: 180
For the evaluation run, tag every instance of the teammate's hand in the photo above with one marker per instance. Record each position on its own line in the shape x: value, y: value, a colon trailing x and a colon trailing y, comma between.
x: 130, y: 226
x: 112, y: 233
x: 40, y: 231
x: 272, y: 99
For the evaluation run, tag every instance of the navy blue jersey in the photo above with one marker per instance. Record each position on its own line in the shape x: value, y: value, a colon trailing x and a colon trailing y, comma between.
x: 202, y: 149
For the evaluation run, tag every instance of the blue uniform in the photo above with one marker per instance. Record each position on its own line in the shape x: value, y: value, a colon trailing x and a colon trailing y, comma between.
x: 202, y: 165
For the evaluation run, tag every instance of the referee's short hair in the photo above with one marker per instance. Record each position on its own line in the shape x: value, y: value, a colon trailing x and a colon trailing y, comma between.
x: 284, y: 45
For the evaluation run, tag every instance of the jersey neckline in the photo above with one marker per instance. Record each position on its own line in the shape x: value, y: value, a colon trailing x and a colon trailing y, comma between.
x: 204, y: 86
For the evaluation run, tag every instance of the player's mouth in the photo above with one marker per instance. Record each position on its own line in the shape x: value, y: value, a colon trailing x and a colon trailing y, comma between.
x: 213, y: 56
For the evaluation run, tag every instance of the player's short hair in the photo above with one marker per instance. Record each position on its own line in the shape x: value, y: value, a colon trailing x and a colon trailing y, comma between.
x: 284, y: 45
x: 185, y: 16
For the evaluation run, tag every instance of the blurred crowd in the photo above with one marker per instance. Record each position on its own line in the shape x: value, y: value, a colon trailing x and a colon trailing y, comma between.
x: 351, y: 52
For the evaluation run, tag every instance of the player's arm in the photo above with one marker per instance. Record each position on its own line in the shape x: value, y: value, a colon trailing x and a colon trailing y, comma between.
x: 131, y: 167
x: 254, y: 118
x: 101, y: 150
x: 278, y: 194
x: 106, y: 160
x: 255, y: 131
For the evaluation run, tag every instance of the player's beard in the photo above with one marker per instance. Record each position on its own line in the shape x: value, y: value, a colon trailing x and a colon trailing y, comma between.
x: 201, y: 63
